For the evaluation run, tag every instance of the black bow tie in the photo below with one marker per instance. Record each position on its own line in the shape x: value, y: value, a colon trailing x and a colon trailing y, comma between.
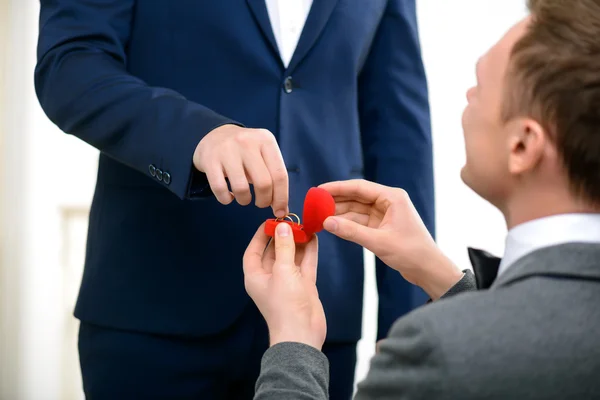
x: 485, y: 267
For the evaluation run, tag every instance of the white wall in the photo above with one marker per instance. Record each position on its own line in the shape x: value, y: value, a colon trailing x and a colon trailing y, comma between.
x: 46, y: 186
x: 454, y: 34
x: 47, y: 178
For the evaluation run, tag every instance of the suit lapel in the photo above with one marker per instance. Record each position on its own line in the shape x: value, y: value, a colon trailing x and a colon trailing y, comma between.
x: 261, y: 15
x: 315, y: 23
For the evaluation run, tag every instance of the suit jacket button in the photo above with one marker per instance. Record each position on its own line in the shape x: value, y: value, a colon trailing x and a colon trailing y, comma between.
x: 152, y: 170
x: 166, y: 178
x: 288, y: 85
x: 159, y: 174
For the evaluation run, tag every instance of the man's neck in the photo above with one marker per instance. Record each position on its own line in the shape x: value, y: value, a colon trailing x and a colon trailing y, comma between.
x: 535, y: 204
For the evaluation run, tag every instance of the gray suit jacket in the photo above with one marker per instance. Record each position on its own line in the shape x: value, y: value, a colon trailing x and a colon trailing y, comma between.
x: 535, y: 334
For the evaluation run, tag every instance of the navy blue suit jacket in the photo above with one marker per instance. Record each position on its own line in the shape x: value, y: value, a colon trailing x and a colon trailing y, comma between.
x: 144, y: 80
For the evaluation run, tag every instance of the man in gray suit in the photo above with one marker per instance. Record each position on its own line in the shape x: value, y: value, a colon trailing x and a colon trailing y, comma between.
x: 532, y: 135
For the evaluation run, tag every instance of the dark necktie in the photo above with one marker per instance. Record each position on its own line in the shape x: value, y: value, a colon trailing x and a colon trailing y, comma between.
x: 485, y: 267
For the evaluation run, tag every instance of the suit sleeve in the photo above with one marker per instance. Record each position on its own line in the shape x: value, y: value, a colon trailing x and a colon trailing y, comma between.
x: 466, y: 284
x: 293, y: 371
x: 83, y: 86
x: 396, y: 137
x: 409, y: 365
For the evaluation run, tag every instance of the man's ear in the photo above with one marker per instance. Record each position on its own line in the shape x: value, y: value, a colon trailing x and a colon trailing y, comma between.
x: 527, y: 140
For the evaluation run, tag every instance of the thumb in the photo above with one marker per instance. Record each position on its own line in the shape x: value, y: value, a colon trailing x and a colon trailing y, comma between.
x: 285, y: 248
x: 353, y: 232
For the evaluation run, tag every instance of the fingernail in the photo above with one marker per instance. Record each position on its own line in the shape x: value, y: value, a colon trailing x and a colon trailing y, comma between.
x: 283, y: 229
x: 280, y: 213
x: 330, y: 224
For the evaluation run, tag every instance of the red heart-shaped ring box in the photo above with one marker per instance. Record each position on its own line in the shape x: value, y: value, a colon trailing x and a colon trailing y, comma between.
x: 318, y: 206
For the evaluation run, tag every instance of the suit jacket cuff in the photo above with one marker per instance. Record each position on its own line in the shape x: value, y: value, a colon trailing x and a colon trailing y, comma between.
x: 293, y: 371
x: 466, y: 284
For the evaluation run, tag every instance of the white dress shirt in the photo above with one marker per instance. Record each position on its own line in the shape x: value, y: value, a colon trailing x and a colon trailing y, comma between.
x: 287, y: 20
x: 549, y: 231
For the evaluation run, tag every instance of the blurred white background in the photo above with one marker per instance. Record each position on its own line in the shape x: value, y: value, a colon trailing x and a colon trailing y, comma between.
x: 47, y: 181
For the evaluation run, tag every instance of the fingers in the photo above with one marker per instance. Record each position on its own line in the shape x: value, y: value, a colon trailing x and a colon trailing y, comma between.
x: 279, y: 177
x: 269, y: 257
x: 308, y: 266
x: 260, y: 178
x: 361, y: 219
x: 252, y: 261
x: 343, y: 207
x: 356, y: 190
x: 364, y: 214
x: 218, y: 185
x: 235, y: 172
x: 244, y: 156
x: 353, y: 232
x: 285, y: 248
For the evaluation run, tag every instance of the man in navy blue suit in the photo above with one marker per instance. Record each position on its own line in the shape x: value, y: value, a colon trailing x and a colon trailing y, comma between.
x: 192, y: 104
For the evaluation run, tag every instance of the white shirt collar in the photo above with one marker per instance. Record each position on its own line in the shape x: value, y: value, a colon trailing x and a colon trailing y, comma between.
x: 549, y: 231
